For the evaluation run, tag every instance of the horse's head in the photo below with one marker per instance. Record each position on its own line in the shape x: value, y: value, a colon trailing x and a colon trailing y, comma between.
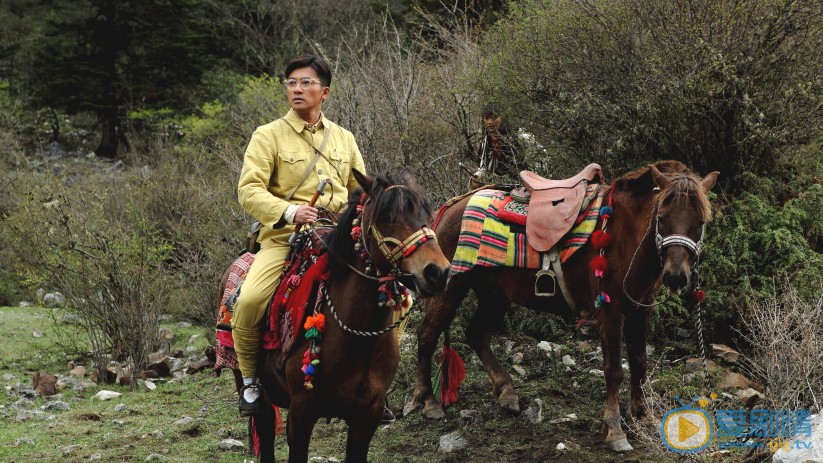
x: 395, y: 219
x: 682, y: 210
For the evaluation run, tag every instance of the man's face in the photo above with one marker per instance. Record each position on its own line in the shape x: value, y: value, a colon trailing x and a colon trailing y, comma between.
x: 306, y: 97
x: 491, y: 123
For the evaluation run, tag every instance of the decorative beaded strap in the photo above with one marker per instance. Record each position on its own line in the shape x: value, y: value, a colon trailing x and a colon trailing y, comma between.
x: 358, y: 332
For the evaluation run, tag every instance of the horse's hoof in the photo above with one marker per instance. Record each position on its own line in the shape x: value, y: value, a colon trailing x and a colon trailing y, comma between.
x: 509, y: 401
x: 620, y: 445
x: 433, y: 411
x: 410, y: 406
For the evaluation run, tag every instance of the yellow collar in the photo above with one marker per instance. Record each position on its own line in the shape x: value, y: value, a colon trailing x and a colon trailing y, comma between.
x: 299, y: 125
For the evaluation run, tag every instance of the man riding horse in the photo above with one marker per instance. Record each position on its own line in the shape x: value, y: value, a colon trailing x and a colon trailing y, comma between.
x: 284, y: 162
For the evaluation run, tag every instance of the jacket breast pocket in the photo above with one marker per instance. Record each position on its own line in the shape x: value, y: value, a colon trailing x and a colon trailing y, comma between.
x: 290, y: 168
x: 341, y: 160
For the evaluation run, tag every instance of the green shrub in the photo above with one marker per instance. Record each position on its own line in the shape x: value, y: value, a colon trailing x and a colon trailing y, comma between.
x: 97, y: 247
x: 749, y: 243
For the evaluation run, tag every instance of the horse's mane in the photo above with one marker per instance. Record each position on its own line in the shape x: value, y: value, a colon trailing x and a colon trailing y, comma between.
x: 398, y: 204
x: 684, y: 182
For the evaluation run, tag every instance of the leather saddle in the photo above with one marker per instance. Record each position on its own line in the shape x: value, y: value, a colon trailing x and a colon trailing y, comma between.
x: 555, y: 204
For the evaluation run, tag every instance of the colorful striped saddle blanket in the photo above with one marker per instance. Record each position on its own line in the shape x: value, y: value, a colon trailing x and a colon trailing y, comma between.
x: 493, y: 232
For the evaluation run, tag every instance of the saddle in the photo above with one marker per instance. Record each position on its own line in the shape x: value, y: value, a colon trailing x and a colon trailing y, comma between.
x: 555, y: 204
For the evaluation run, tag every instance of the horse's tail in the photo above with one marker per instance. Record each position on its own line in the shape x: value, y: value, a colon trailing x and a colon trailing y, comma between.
x: 452, y: 372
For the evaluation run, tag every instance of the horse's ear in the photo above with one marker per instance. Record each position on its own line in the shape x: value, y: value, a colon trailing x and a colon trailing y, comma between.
x: 710, y: 180
x: 661, y: 180
x: 407, y: 177
x: 364, y: 180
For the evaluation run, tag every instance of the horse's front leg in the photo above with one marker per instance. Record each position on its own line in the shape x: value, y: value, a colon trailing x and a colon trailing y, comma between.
x: 263, y: 426
x: 360, y: 434
x: 491, y: 308
x: 636, y: 329
x: 611, y: 331
x: 440, y: 312
x: 301, y: 420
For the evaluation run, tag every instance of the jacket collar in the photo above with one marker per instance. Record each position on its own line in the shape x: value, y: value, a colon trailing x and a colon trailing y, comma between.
x: 299, y: 125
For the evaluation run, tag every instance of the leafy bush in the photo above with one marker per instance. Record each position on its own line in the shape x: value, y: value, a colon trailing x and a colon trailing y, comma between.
x: 750, y: 242
x: 728, y: 85
x: 102, y: 252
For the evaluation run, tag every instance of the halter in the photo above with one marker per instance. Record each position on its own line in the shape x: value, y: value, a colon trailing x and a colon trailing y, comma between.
x: 676, y: 240
x: 661, y: 243
x: 392, y: 249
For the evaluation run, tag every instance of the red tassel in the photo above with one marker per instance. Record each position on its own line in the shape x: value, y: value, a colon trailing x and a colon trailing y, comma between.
x: 698, y: 295
x: 599, y: 263
x: 601, y: 240
x: 453, y: 372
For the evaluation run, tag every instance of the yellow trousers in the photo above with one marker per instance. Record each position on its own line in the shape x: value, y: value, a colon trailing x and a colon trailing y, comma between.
x: 255, y: 295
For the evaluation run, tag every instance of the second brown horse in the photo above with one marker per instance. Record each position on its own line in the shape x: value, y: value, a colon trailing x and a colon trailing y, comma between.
x: 657, y: 225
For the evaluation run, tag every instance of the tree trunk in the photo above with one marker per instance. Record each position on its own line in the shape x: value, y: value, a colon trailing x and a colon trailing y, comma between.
x: 109, y: 141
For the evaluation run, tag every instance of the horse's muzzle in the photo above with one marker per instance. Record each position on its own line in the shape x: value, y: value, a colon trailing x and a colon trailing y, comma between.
x: 677, y: 281
x: 434, y: 279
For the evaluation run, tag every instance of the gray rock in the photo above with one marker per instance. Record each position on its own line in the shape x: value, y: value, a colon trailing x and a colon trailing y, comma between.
x: 120, y: 407
x: 520, y: 370
x: 452, y: 442
x: 534, y: 414
x: 118, y: 422
x: 56, y: 405
x: 186, y: 420
x: 70, y: 448
x: 471, y: 415
x: 683, y: 333
x: 94, y: 457
x: 107, y: 395
x: 9, y: 377
x: 23, y: 440
x: 230, y: 444
x: 59, y: 298
x: 517, y: 358
x: 157, y: 457
x: 49, y: 300
x: 184, y: 325
x: 40, y: 294
x: 568, y: 361
x: 176, y: 364
x: 24, y: 304
x: 70, y: 319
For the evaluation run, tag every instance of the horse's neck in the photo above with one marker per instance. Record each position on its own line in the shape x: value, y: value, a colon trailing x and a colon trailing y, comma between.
x: 355, y: 300
x: 633, y: 234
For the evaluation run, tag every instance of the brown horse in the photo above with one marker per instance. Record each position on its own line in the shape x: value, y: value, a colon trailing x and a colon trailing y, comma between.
x: 358, y: 350
x: 656, y: 229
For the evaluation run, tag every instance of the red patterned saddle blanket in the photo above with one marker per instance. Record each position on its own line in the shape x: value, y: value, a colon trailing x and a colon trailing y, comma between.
x: 305, y: 268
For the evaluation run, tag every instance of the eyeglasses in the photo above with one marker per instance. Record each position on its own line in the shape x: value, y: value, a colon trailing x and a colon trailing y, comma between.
x: 303, y: 83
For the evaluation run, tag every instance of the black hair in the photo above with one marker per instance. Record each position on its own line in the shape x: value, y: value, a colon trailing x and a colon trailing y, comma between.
x: 310, y: 61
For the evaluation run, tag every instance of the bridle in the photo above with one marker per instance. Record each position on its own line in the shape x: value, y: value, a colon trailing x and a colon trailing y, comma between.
x: 392, y: 249
x: 676, y: 240
x: 661, y: 243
